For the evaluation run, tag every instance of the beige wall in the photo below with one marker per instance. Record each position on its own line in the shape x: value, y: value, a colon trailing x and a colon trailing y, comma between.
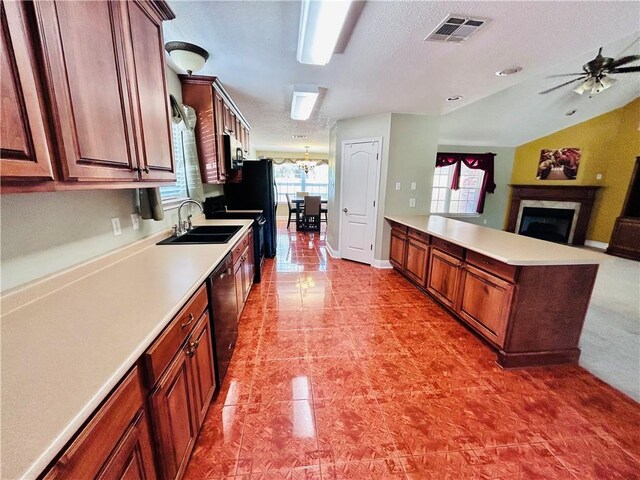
x: 42, y: 233
x: 497, y: 204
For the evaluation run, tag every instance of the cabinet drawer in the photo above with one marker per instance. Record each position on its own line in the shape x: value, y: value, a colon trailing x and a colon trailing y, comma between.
x: 401, y: 229
x: 236, y: 253
x: 446, y: 246
x: 418, y: 235
x: 508, y: 272
x: 158, y: 356
x: 88, y: 453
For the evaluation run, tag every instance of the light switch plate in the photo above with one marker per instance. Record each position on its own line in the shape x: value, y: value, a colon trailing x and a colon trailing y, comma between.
x: 135, y: 221
x: 397, y: 185
x: 412, y: 202
x: 115, y: 226
x: 413, y: 185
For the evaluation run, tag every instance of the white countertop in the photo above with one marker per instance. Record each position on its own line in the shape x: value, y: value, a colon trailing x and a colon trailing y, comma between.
x: 503, y: 246
x: 63, y: 353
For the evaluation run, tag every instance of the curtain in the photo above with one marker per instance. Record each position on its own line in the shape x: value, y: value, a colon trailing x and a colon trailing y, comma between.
x: 474, y: 161
x: 280, y: 161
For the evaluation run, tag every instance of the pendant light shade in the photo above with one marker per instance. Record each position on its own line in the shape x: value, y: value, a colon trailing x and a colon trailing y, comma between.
x: 187, y: 56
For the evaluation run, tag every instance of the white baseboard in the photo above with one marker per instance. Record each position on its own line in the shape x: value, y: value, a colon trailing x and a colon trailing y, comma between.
x: 596, y: 244
x: 334, y: 253
x: 381, y: 263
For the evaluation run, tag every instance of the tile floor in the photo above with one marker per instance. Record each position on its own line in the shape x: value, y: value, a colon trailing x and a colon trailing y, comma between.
x: 343, y: 371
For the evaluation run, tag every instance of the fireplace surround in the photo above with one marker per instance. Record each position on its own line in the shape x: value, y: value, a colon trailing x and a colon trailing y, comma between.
x: 547, y: 202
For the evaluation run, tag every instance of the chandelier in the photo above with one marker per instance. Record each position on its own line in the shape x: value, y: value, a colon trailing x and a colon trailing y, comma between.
x: 306, y: 165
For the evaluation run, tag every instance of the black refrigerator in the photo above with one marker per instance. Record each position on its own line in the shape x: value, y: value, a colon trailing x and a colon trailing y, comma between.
x: 257, y: 191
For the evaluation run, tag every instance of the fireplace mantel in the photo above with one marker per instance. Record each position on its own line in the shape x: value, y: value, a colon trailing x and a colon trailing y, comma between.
x: 583, y: 194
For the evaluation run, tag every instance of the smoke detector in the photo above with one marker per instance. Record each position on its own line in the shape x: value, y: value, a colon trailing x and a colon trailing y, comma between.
x: 456, y: 29
x: 508, y: 71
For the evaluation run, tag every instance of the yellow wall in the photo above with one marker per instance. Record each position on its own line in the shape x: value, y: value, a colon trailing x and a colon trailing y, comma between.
x: 610, y: 144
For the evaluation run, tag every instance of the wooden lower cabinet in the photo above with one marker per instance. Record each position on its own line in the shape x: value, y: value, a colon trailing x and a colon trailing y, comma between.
x: 398, y: 251
x: 485, y: 303
x: 417, y: 260
x: 173, y: 412
x: 202, y: 367
x: 444, y: 277
x: 115, y: 444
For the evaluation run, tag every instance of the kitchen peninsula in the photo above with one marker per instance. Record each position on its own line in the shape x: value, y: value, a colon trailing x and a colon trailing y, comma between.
x: 526, y: 297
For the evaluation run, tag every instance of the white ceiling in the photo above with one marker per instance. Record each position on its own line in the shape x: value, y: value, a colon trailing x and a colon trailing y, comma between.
x: 387, y: 67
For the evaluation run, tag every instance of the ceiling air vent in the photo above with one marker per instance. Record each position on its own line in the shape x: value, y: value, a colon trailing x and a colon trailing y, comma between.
x: 456, y: 29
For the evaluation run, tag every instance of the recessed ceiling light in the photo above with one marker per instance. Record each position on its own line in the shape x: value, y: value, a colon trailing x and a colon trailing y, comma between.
x: 454, y: 98
x: 300, y: 137
x: 571, y: 112
x: 508, y: 71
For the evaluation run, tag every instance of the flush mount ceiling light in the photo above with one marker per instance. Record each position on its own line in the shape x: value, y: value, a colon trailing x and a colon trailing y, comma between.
x: 321, y: 23
x: 508, y: 71
x: 304, y: 99
x: 454, y: 98
x: 187, y: 56
x: 594, y: 85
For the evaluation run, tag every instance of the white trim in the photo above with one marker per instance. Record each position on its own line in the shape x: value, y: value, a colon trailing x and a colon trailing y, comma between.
x: 596, y: 244
x: 332, y: 251
x: 376, y: 194
x: 381, y: 263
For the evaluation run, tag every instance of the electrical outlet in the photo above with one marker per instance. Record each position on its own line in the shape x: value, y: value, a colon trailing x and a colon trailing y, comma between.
x: 412, y: 202
x: 484, y: 221
x: 135, y: 221
x: 115, y: 226
x: 413, y: 185
x: 599, y: 176
x: 397, y: 185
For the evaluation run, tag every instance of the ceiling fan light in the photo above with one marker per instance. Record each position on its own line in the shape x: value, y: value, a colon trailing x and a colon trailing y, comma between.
x: 588, y: 84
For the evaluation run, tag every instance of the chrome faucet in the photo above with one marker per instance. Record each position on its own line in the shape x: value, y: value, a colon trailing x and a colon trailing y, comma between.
x: 184, y: 227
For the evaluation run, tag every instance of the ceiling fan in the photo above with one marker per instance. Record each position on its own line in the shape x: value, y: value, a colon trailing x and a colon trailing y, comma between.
x: 595, y: 75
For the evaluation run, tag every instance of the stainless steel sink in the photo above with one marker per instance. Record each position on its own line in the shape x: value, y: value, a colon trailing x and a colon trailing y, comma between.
x: 204, y: 234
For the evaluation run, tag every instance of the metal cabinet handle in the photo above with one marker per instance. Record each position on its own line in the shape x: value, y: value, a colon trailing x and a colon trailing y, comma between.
x: 188, y: 352
x: 194, y: 345
x: 191, y: 318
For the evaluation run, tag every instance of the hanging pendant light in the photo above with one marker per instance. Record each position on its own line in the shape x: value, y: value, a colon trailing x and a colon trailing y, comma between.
x: 306, y: 165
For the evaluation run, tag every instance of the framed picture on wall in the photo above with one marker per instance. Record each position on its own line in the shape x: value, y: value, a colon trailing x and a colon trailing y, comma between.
x: 558, y: 164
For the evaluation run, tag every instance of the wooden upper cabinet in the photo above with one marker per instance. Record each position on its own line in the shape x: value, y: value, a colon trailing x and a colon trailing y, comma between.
x: 24, y: 150
x: 84, y: 46
x: 152, y: 110
x: 220, y: 110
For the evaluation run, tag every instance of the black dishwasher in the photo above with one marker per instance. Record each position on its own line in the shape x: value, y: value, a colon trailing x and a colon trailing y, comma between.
x: 224, y: 314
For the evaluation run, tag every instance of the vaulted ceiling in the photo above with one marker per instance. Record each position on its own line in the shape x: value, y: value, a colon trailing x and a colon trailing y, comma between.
x: 388, y: 67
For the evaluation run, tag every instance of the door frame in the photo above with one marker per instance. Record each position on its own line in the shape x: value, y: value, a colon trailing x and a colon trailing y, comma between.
x: 377, y: 192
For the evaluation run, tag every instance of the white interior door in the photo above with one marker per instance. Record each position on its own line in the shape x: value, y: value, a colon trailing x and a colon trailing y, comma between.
x: 358, y: 193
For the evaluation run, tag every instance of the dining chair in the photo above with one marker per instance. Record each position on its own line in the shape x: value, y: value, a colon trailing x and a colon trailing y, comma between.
x: 323, y: 211
x: 311, y: 214
x: 293, y: 209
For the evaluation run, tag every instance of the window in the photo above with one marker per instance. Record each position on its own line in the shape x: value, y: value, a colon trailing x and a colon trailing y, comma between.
x: 176, y: 191
x: 461, y: 202
x: 290, y: 178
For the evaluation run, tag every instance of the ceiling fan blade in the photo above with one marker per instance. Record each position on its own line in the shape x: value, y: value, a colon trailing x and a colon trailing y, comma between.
x: 624, y: 70
x: 562, y: 85
x: 564, y: 75
x: 618, y: 62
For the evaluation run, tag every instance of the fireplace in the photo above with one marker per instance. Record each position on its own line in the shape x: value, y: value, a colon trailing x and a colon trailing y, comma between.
x: 555, y: 213
x: 552, y: 224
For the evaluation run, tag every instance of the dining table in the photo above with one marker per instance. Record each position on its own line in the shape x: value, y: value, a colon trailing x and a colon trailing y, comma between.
x: 299, y: 203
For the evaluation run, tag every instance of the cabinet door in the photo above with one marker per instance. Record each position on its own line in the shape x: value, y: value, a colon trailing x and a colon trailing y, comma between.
x: 397, y: 252
x: 220, y: 114
x: 24, y: 151
x: 485, y: 303
x: 92, y: 108
x: 132, y: 459
x: 238, y: 271
x: 247, y: 141
x: 174, y: 417
x: 202, y: 367
x: 443, y: 277
x: 151, y: 98
x: 116, y: 441
x: 417, y: 259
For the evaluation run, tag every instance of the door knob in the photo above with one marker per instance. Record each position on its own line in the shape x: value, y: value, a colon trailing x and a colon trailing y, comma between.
x: 345, y: 210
